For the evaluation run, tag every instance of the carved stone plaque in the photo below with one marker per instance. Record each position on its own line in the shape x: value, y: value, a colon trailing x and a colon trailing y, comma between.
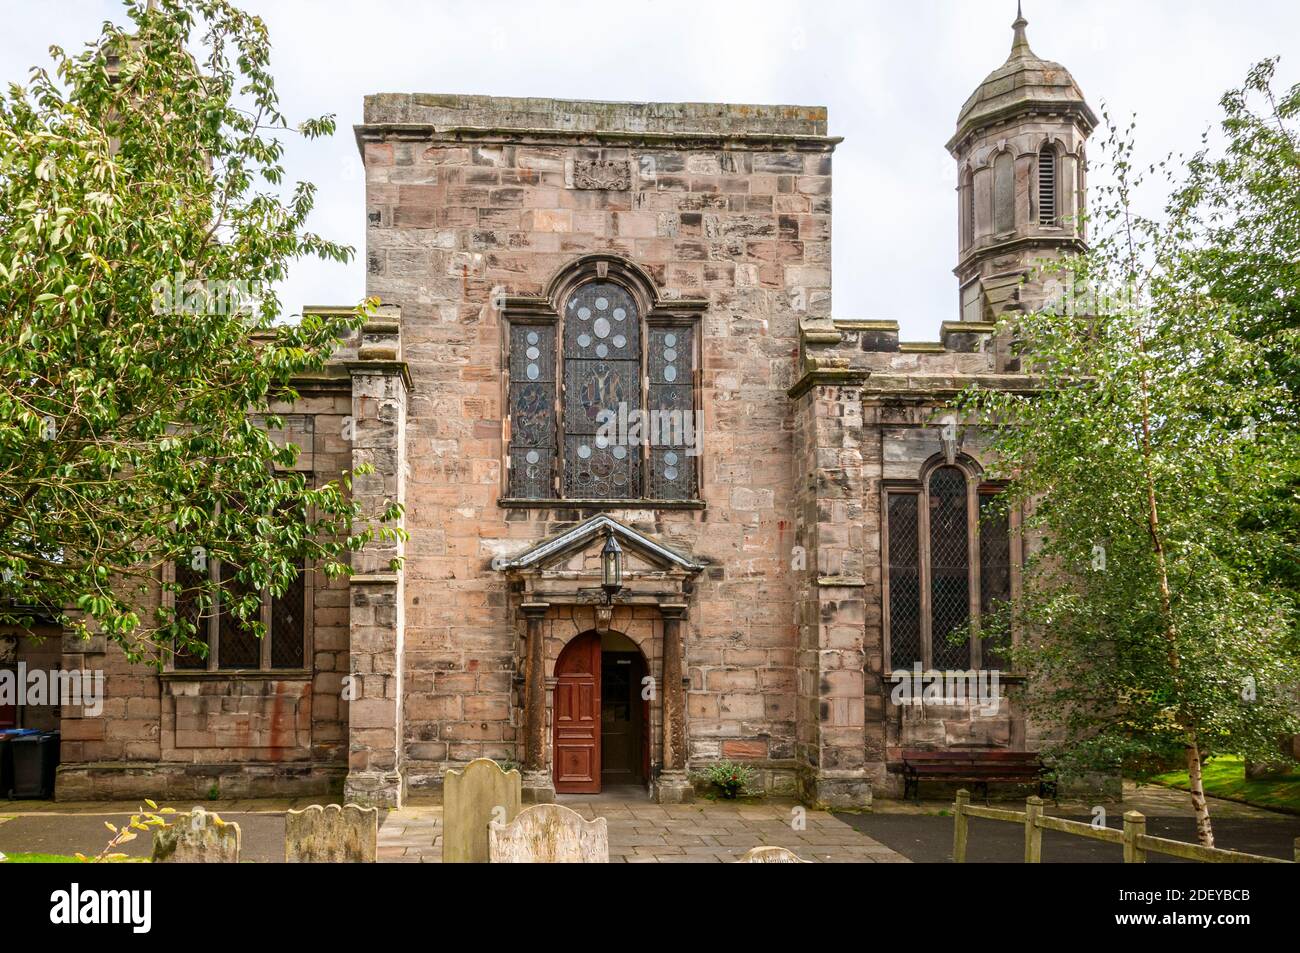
x: 612, y: 174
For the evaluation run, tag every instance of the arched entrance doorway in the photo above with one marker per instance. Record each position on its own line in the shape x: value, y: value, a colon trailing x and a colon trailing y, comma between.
x: 601, y: 721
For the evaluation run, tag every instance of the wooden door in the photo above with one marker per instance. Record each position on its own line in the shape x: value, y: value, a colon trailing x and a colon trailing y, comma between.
x: 576, y: 735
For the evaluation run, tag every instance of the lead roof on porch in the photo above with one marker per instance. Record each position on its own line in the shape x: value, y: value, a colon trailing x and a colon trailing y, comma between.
x: 583, y: 533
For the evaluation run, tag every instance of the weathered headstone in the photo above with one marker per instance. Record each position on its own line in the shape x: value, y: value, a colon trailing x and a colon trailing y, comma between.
x: 198, y: 837
x: 471, y: 799
x: 332, y: 834
x: 771, y: 855
x: 549, y: 834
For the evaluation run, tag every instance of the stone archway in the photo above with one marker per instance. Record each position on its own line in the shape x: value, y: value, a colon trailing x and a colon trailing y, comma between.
x: 600, y: 718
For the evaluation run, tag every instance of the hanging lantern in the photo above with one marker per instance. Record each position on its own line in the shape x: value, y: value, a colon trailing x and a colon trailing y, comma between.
x: 611, y: 567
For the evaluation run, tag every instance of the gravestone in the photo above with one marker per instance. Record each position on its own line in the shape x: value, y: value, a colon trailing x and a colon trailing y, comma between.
x: 471, y: 799
x: 771, y: 855
x: 198, y: 837
x: 549, y: 834
x: 332, y: 834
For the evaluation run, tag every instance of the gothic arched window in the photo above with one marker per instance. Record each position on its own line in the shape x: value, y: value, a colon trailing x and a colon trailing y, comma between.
x: 612, y: 416
x: 948, y: 546
x: 1047, y: 179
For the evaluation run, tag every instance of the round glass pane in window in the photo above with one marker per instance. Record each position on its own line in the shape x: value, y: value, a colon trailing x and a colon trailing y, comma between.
x: 670, y: 355
x: 584, y: 451
x: 602, y: 351
x: 619, y: 452
x: 620, y: 314
x: 532, y: 337
x: 533, y: 353
x: 670, y: 458
x: 670, y: 473
x: 533, y: 372
x: 601, y: 441
x: 670, y: 340
x: 601, y: 327
x: 533, y: 456
x: 670, y: 373
x: 584, y: 340
x: 602, y: 304
x: 620, y: 341
x: 584, y: 313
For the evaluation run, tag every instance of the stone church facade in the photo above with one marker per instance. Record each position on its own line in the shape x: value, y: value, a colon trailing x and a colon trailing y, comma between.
x: 799, y: 517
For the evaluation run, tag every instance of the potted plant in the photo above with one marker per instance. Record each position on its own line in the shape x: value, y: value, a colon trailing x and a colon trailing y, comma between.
x: 731, y: 778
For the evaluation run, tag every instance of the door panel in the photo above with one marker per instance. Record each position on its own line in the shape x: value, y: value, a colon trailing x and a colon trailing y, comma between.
x: 576, y: 738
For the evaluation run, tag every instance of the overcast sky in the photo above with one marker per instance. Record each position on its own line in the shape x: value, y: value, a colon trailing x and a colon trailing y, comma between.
x: 893, y: 75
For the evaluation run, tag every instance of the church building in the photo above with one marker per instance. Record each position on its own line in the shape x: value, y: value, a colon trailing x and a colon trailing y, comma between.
x: 665, y: 507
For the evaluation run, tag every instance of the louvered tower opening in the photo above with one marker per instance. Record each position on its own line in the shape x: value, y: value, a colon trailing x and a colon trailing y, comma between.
x: 1047, y: 187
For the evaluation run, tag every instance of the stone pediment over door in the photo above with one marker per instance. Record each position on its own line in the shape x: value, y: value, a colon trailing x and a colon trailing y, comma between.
x: 565, y: 568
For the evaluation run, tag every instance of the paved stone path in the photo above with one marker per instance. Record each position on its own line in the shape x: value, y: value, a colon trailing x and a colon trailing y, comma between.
x: 641, y: 832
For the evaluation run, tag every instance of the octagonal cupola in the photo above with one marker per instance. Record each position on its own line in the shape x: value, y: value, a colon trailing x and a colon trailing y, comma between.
x: 1021, y: 187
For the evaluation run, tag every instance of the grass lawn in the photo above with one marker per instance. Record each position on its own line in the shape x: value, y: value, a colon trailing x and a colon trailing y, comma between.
x: 1225, y: 777
x: 40, y: 859
x: 63, y: 859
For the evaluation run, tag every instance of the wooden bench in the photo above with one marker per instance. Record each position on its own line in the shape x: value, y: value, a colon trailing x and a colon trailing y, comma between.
x: 976, y: 766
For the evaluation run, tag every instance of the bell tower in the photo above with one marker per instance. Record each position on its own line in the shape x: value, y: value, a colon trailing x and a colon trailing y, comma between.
x: 1019, y: 147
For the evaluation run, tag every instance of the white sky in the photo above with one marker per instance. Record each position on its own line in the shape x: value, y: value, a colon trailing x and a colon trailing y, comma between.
x: 892, y: 72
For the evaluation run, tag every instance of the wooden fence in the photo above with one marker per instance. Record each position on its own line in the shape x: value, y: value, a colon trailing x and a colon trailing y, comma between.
x: 1133, y: 838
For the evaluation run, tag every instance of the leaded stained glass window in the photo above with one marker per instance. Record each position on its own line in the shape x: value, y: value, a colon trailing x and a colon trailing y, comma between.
x: 995, y: 566
x: 674, y: 437
x: 532, y: 411
x: 626, y: 426
x: 602, y: 383
x: 230, y: 640
x: 904, y: 581
x: 948, y: 539
x: 949, y: 568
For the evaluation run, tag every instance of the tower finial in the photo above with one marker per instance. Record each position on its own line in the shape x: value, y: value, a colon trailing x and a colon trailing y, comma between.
x: 1020, y: 44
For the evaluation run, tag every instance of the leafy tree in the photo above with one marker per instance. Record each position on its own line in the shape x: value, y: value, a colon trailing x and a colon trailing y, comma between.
x: 1241, y: 210
x: 1150, y: 458
x: 142, y: 224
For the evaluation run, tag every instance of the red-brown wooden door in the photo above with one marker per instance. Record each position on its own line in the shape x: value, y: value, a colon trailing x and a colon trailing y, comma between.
x: 576, y: 738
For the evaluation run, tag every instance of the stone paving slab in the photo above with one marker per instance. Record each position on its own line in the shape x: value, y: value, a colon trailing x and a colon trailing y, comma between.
x: 641, y: 832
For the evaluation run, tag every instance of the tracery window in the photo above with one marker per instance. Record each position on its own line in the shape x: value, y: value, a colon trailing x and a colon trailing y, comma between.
x: 618, y: 421
x: 948, y: 561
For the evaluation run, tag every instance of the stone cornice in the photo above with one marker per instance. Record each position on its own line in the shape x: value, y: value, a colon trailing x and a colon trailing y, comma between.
x: 828, y: 376
x: 975, y: 123
x: 945, y: 387
x: 430, y: 132
x: 1044, y: 239
x: 400, y: 368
